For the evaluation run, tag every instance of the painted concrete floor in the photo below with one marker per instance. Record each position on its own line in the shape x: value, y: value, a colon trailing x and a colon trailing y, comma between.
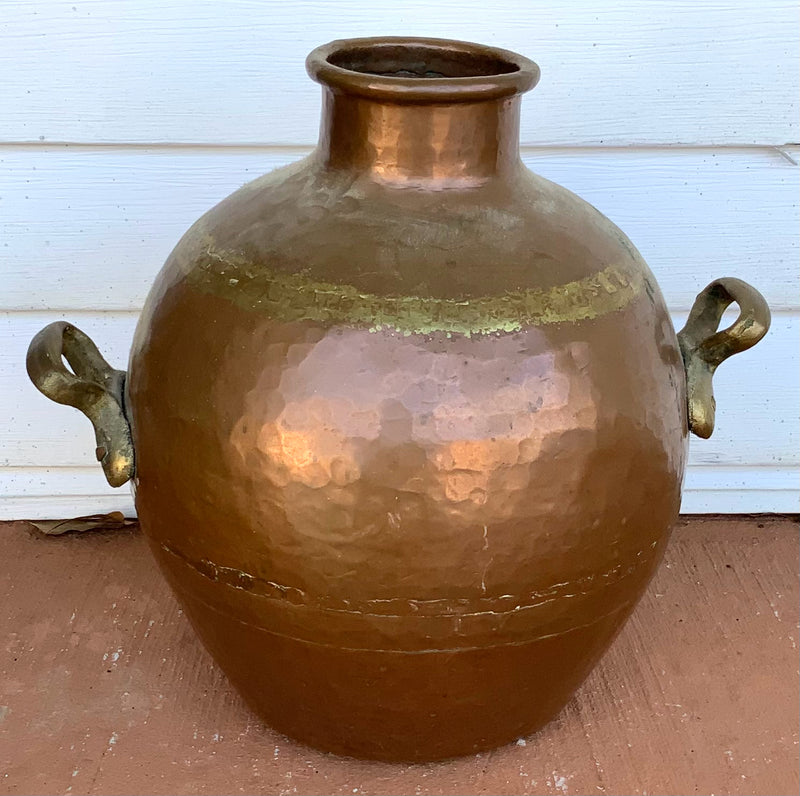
x: 105, y: 690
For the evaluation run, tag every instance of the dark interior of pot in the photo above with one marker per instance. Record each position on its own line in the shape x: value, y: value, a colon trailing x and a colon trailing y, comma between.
x: 419, y: 61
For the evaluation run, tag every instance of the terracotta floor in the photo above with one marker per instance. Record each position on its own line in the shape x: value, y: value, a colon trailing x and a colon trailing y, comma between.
x: 105, y: 690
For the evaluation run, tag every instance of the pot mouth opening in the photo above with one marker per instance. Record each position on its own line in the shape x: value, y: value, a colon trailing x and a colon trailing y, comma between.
x: 418, y: 70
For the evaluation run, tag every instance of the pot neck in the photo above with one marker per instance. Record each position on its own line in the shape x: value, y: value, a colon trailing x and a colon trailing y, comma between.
x: 430, y: 112
x: 444, y: 145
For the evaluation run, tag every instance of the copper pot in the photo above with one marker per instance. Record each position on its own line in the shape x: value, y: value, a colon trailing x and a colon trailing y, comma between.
x: 410, y: 422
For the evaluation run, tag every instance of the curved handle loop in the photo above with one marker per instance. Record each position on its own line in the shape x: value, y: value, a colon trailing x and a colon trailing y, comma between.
x: 703, y: 348
x: 92, y: 386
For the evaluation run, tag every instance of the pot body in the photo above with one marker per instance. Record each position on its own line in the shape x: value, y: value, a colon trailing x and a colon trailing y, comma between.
x: 407, y: 423
x: 407, y: 457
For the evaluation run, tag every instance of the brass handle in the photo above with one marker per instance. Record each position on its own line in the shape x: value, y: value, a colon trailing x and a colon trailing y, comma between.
x: 703, y: 348
x: 92, y: 386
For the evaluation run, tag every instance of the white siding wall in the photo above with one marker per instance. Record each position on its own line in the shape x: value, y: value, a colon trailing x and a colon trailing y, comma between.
x: 124, y: 120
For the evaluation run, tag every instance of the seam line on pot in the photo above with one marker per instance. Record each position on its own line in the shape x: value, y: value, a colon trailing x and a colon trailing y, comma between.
x: 473, y: 648
x: 243, y: 581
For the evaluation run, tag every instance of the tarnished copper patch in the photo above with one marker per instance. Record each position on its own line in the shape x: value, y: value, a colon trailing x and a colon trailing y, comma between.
x: 298, y: 297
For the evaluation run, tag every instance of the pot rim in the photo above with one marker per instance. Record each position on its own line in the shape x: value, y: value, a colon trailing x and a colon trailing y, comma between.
x: 466, y: 71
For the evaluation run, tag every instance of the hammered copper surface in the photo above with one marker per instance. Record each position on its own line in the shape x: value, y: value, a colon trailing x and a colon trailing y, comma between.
x: 410, y: 421
x: 407, y: 531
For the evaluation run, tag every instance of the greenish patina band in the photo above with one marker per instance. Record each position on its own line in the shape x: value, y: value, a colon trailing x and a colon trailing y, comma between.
x: 296, y: 297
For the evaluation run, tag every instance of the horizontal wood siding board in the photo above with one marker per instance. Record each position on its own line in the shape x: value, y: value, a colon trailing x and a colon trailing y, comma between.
x: 757, y: 394
x: 90, y: 229
x: 56, y: 506
x: 89, y: 480
x: 49, y: 493
x: 743, y: 500
x: 634, y: 71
